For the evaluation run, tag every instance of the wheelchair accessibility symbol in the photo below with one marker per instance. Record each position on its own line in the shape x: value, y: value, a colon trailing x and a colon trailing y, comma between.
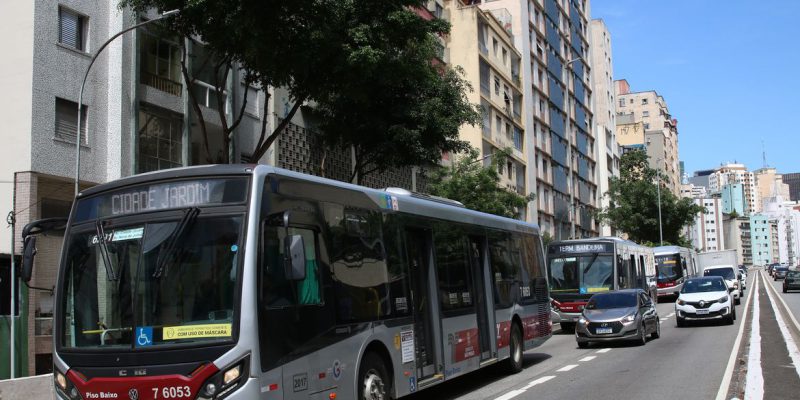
x: 144, y: 336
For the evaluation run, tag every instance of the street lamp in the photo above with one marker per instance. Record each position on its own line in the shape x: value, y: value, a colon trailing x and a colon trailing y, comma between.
x: 86, y: 75
x: 569, y: 153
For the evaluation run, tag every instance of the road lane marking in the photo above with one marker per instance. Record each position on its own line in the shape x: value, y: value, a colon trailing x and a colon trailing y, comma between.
x: 664, y: 319
x: 538, y: 382
x: 589, y: 358
x: 754, y: 380
x: 791, y: 346
x: 606, y: 350
x: 786, y: 307
x: 722, y: 392
x: 567, y: 368
x: 670, y: 315
x: 511, y: 394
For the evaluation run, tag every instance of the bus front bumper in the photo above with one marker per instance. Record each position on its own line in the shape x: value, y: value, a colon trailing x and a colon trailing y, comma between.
x: 670, y: 291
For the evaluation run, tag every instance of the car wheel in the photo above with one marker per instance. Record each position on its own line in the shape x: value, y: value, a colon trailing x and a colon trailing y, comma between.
x: 642, y: 340
x: 657, y: 333
x: 785, y: 290
x: 680, y: 322
x: 729, y: 319
x: 733, y: 312
x: 737, y: 301
x: 375, y: 382
x: 583, y: 345
x: 514, y: 362
x: 567, y: 327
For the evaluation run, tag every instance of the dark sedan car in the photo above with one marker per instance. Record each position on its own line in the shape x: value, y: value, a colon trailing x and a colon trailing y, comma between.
x: 621, y: 315
x: 792, y: 281
x: 780, y: 272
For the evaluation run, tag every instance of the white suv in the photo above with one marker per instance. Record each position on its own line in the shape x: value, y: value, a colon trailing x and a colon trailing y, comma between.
x: 705, y: 298
x: 729, y: 274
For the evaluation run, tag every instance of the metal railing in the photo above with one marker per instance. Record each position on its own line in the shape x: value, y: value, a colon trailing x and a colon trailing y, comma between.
x: 161, y: 83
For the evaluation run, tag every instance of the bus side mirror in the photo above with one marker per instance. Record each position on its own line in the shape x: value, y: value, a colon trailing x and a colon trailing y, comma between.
x: 28, y: 254
x: 295, y: 258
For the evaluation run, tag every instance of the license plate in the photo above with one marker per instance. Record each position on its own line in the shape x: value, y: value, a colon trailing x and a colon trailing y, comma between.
x: 702, y: 312
x: 601, y: 331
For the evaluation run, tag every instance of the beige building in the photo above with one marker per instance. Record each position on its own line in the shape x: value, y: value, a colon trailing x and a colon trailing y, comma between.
x: 492, y: 64
x: 732, y: 174
x: 605, y: 113
x: 769, y: 183
x: 657, y: 134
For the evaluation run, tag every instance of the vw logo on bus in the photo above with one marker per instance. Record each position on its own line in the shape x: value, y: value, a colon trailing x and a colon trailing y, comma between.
x: 133, y: 394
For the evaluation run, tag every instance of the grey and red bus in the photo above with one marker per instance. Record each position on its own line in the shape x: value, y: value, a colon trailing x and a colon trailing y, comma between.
x: 251, y: 282
x: 580, y: 268
x: 674, y: 265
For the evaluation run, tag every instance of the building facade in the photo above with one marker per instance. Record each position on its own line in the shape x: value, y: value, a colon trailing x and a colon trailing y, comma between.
x: 736, y: 174
x: 658, y: 135
x: 761, y: 233
x: 706, y: 233
x: 769, y: 183
x: 793, y: 180
x: 605, y: 114
x: 733, y: 200
x: 737, y: 234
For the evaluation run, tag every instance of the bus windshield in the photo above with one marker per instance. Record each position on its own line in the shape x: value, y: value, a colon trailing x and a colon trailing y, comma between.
x: 669, y: 268
x: 154, y: 283
x: 582, y: 274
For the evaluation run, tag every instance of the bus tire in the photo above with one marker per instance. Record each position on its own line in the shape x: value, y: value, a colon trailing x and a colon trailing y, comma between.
x: 374, y: 382
x: 515, y: 346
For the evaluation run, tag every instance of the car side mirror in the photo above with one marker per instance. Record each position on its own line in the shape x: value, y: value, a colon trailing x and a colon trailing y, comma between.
x: 295, y: 258
x: 731, y: 289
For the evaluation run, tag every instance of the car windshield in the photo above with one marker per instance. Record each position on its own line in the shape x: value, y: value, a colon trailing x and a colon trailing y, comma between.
x: 703, y: 285
x: 607, y: 301
x: 669, y: 268
x: 136, y: 287
x: 781, y: 269
x: 725, y: 273
x: 582, y: 274
x: 793, y: 274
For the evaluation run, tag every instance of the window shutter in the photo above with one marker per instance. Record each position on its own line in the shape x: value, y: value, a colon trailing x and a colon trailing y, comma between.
x: 67, y: 120
x: 70, y: 29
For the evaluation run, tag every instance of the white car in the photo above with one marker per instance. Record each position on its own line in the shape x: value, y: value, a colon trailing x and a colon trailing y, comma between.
x: 705, y: 298
x: 729, y: 273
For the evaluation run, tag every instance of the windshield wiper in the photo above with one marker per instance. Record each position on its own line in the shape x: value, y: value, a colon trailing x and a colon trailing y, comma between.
x: 165, y: 255
x: 103, y: 246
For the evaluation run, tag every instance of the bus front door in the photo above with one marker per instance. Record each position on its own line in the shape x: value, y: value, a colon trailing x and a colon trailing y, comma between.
x: 425, y: 332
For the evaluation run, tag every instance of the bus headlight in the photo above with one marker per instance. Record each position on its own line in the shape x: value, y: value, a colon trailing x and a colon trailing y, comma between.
x: 227, y: 381
x: 64, y: 386
x: 61, y: 381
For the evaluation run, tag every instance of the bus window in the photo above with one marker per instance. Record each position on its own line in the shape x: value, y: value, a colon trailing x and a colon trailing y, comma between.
x: 504, y: 268
x: 277, y: 291
x: 452, y: 267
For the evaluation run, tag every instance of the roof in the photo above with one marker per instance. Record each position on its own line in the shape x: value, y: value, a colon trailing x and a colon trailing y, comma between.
x: 669, y: 249
x: 172, y: 173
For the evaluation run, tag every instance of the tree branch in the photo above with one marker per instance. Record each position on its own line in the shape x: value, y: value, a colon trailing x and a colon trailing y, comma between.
x: 193, y: 99
x: 262, y: 149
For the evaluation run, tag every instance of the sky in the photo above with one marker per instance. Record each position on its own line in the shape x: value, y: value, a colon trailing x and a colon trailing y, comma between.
x: 728, y: 70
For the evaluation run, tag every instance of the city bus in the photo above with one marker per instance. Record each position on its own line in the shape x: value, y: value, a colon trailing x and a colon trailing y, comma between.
x: 582, y: 267
x: 674, y: 265
x: 253, y: 282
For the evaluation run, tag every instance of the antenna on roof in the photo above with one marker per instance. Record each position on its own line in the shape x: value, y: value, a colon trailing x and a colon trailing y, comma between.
x: 764, y: 153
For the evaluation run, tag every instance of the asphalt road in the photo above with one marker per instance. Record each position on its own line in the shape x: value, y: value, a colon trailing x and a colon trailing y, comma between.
x: 685, y: 363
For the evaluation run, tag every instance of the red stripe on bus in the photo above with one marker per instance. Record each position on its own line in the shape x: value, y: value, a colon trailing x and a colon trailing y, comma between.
x: 146, y: 387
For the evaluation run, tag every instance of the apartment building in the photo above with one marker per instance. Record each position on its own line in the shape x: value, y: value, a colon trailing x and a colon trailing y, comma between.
x: 793, y: 180
x: 761, y: 232
x: 769, y: 183
x: 658, y: 135
x: 737, y: 234
x: 707, y: 233
x: 492, y: 63
x: 605, y: 113
x: 736, y: 174
x: 733, y: 200
x: 691, y: 191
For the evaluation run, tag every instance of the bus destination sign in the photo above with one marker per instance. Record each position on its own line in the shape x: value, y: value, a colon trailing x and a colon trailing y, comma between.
x: 582, y: 248
x: 163, y: 196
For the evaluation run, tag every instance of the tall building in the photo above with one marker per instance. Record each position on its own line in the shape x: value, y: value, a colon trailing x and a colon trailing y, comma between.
x: 493, y: 64
x: 701, y: 178
x: 769, y: 183
x: 737, y: 234
x: 787, y: 221
x: 793, y: 180
x: 733, y: 199
x: 706, y: 233
x: 693, y: 192
x: 762, y: 232
x: 658, y: 135
x: 736, y: 173
x: 605, y: 113
x: 552, y: 38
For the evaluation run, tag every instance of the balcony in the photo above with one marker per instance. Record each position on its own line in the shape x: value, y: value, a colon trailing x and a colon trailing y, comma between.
x: 161, y: 83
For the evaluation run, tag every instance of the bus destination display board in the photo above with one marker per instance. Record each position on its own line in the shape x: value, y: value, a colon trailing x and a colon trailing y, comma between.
x: 575, y: 248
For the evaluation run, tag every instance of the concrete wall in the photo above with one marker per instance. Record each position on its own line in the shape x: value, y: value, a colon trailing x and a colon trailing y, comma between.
x: 31, y: 388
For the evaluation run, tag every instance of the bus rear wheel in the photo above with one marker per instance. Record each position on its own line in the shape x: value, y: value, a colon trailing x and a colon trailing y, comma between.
x: 374, y: 380
x: 514, y: 362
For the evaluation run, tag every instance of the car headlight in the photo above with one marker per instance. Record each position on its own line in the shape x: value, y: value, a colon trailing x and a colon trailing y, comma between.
x: 583, y: 321
x: 628, y: 319
x: 681, y: 302
x: 723, y: 299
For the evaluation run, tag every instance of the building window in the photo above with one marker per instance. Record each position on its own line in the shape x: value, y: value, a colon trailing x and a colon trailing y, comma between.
x: 644, y: 101
x: 645, y: 113
x: 67, y: 121
x: 160, y: 139
x: 160, y: 64
x: 72, y: 29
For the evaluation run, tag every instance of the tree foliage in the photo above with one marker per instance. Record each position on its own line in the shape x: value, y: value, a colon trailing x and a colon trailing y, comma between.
x: 633, y: 203
x: 366, y: 66
x: 477, y: 186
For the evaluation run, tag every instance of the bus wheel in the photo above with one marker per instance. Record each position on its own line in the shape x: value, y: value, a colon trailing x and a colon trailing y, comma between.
x: 514, y: 362
x: 375, y: 382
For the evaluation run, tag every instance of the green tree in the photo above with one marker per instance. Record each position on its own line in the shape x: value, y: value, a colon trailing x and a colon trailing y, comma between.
x: 633, y: 203
x: 477, y: 186
x: 366, y: 66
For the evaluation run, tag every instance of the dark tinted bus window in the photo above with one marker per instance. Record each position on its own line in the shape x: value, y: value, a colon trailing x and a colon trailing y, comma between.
x: 505, y: 269
x: 534, y: 278
x: 452, y: 267
x: 399, y: 300
x: 358, y: 262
